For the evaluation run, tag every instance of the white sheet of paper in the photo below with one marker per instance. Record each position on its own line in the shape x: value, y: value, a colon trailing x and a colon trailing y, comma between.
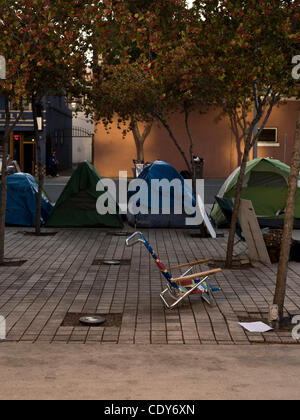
x: 256, y: 326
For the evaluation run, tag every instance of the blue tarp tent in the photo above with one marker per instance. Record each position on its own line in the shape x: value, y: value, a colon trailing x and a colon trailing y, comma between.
x: 22, y: 191
x: 155, y: 209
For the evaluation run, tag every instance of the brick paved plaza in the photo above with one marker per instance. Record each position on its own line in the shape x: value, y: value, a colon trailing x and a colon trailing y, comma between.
x: 59, y: 278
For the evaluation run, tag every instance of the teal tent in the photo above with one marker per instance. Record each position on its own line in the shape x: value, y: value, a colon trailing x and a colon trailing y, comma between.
x: 22, y: 194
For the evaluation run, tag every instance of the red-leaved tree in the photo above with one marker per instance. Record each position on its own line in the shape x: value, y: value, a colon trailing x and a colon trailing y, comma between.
x: 49, y: 46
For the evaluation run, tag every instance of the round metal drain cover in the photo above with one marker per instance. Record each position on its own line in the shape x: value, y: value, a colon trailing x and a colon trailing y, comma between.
x: 112, y: 262
x: 92, y: 320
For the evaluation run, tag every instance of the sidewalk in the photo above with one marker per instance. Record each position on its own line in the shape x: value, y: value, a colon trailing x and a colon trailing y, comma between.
x: 148, y: 372
x: 59, y: 278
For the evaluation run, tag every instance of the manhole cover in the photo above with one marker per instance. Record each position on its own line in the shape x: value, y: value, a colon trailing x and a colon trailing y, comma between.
x: 119, y: 234
x: 74, y: 319
x: 111, y: 262
x: 13, y: 263
x: 40, y: 234
x: 92, y: 320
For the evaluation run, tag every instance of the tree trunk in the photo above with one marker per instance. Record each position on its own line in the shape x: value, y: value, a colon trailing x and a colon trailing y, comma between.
x: 7, y: 131
x: 250, y: 139
x: 3, y: 201
x: 140, y: 151
x: 237, y: 201
x: 288, y: 225
x: 203, y: 230
x: 140, y: 138
x: 237, y: 136
x: 3, y: 181
x: 39, y: 168
x: 191, y: 140
x: 173, y: 138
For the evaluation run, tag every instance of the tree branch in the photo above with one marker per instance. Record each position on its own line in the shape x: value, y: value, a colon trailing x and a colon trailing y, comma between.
x: 168, y: 128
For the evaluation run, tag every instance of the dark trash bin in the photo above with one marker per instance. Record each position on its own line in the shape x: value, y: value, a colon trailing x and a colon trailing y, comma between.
x: 199, y: 167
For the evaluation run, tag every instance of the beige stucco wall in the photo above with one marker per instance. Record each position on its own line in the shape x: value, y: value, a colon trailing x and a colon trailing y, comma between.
x: 284, y: 119
x: 213, y: 141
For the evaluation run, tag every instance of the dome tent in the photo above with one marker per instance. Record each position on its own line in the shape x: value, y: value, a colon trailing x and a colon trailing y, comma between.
x: 76, y: 206
x: 265, y: 184
x: 22, y: 192
x: 155, y: 217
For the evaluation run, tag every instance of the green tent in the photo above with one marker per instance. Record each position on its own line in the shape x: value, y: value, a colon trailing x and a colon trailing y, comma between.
x: 76, y: 206
x: 265, y: 184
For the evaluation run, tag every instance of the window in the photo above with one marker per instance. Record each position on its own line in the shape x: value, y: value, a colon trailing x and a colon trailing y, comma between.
x: 59, y: 137
x: 14, y: 107
x: 269, y: 137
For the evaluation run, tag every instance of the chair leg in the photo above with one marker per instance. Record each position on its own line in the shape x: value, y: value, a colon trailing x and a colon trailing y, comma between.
x: 207, y: 296
x: 181, y: 297
x: 211, y: 296
x: 162, y: 296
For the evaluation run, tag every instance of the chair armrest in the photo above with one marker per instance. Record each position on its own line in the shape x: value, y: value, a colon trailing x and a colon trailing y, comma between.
x: 198, y: 275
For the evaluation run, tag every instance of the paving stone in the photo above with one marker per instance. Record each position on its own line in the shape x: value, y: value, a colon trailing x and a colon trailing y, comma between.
x: 61, y: 338
x: 59, y: 277
x: 256, y: 338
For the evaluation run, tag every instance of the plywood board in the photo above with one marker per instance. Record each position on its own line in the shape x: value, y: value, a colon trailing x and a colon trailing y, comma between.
x: 252, y: 233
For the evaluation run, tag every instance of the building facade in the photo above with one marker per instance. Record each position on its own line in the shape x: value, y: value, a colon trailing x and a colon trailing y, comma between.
x: 82, y: 139
x: 214, y: 141
x: 55, y: 133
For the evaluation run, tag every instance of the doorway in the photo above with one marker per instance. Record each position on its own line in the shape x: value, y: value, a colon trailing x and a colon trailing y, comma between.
x: 22, y: 149
x: 29, y: 157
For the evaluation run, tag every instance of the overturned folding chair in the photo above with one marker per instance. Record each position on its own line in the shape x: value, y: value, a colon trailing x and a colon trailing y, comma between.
x: 184, y: 285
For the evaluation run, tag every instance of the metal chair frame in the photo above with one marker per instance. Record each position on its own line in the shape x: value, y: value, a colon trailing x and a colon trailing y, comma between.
x: 174, y: 287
